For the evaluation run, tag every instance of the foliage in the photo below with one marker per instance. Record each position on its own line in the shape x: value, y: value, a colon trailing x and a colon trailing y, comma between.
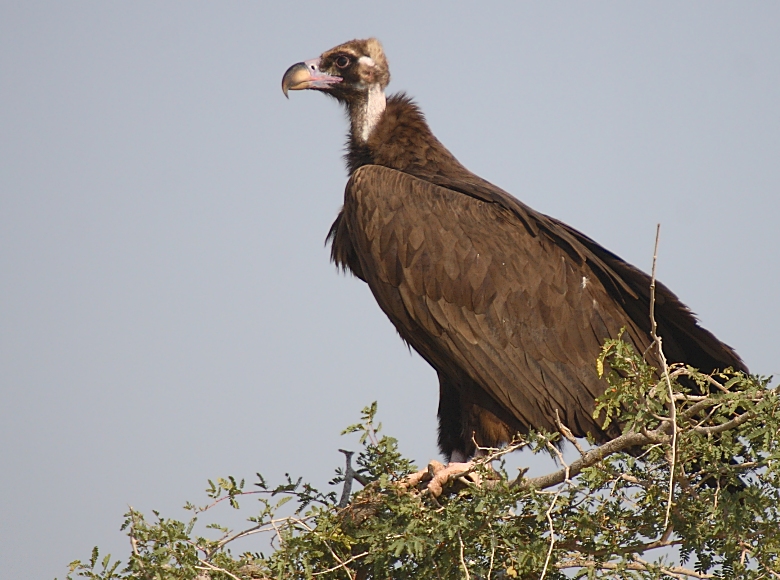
x: 602, y: 516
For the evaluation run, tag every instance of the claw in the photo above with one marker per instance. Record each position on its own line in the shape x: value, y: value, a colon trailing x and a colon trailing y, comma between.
x: 439, y: 476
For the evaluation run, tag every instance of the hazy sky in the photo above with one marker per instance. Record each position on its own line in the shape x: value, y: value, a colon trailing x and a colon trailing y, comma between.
x: 168, y: 313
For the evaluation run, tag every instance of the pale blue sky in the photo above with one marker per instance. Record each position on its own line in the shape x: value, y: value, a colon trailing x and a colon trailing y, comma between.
x: 168, y: 310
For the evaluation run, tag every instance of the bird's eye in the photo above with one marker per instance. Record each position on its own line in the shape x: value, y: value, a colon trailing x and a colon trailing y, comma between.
x: 342, y: 61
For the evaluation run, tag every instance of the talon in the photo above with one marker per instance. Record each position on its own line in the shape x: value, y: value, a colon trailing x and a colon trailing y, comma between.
x: 438, y: 476
x: 434, y: 467
x: 423, y: 475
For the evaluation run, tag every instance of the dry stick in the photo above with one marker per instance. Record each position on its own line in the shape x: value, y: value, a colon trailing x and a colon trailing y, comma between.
x: 566, y: 432
x: 552, y: 504
x: 492, y: 551
x: 133, y: 539
x: 349, y: 475
x: 773, y: 573
x: 211, y: 567
x: 277, y: 534
x: 548, y: 514
x: 665, y: 368
x: 462, y: 559
x: 258, y: 529
x: 347, y: 491
x: 341, y: 565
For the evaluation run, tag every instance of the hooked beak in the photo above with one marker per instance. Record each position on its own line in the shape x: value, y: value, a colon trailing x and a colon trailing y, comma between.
x: 307, y: 75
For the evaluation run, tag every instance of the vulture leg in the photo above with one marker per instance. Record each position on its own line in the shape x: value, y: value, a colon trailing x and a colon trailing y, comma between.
x: 467, y: 423
x: 470, y: 419
x: 437, y: 476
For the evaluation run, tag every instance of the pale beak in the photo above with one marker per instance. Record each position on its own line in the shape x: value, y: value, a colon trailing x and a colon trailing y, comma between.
x: 307, y: 75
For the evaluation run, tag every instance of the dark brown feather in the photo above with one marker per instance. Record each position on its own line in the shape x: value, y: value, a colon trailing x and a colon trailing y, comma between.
x: 511, y: 307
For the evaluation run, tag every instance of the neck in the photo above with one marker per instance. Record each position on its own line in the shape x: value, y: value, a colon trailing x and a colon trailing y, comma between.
x: 399, y: 139
x: 365, y: 114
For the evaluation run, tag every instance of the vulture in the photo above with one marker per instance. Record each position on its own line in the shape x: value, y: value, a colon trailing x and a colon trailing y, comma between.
x: 510, y: 306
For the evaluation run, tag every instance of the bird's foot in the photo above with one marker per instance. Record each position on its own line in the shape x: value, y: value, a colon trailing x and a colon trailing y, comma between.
x: 438, y: 476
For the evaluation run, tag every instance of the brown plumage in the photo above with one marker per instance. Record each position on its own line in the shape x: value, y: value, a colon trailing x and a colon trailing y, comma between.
x: 508, y: 305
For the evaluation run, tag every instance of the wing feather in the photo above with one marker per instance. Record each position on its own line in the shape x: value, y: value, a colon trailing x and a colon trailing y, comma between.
x: 468, y: 285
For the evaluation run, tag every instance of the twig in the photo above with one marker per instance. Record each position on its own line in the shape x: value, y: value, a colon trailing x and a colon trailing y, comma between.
x: 566, y: 432
x: 228, y: 497
x: 495, y: 453
x: 675, y: 571
x: 707, y: 404
x: 548, y: 514
x: 341, y: 564
x: 492, y: 551
x: 210, y: 566
x: 259, y: 528
x: 709, y: 416
x: 558, y: 453
x: 772, y: 572
x: 462, y: 559
x: 133, y: 540
x: 665, y: 368
x: 278, y: 534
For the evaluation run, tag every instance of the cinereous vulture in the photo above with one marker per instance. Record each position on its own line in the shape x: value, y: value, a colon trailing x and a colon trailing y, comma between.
x: 510, y: 306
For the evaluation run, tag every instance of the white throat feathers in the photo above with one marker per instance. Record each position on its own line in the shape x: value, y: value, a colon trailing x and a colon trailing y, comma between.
x: 370, y: 112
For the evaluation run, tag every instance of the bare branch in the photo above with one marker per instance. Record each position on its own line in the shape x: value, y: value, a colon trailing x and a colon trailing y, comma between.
x: 492, y: 551
x: 548, y: 514
x: 566, y: 432
x: 592, y: 457
x: 341, y: 565
x: 665, y: 369
x: 736, y: 422
x: 349, y: 475
x: 209, y: 566
x: 133, y: 540
x: 462, y: 559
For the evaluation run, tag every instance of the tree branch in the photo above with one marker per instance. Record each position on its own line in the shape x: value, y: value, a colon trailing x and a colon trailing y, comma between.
x: 592, y: 457
x: 639, y: 565
x: 349, y: 475
x: 736, y: 422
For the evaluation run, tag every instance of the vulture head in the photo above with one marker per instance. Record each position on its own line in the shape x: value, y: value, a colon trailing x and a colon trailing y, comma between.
x: 355, y: 73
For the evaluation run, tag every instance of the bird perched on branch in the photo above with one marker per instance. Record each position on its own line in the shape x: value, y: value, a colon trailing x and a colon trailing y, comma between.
x: 510, y: 306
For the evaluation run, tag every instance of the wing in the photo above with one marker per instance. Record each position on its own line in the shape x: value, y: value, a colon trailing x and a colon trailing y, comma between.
x: 475, y: 290
x: 684, y: 340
